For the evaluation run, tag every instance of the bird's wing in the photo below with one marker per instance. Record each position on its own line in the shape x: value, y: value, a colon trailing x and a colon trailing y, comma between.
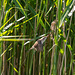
x: 40, y: 47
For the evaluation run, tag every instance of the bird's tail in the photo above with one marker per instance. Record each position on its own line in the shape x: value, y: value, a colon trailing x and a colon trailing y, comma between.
x: 30, y: 49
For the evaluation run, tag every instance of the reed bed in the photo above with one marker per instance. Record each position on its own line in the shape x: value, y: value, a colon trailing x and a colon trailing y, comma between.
x: 23, y: 22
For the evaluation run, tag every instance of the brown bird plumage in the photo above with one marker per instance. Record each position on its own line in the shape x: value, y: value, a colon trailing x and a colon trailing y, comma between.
x: 53, y: 25
x: 53, y: 28
x: 38, y: 45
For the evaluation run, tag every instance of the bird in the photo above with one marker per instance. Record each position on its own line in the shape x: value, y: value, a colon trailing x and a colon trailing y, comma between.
x: 53, y: 25
x: 38, y: 45
x: 53, y: 28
